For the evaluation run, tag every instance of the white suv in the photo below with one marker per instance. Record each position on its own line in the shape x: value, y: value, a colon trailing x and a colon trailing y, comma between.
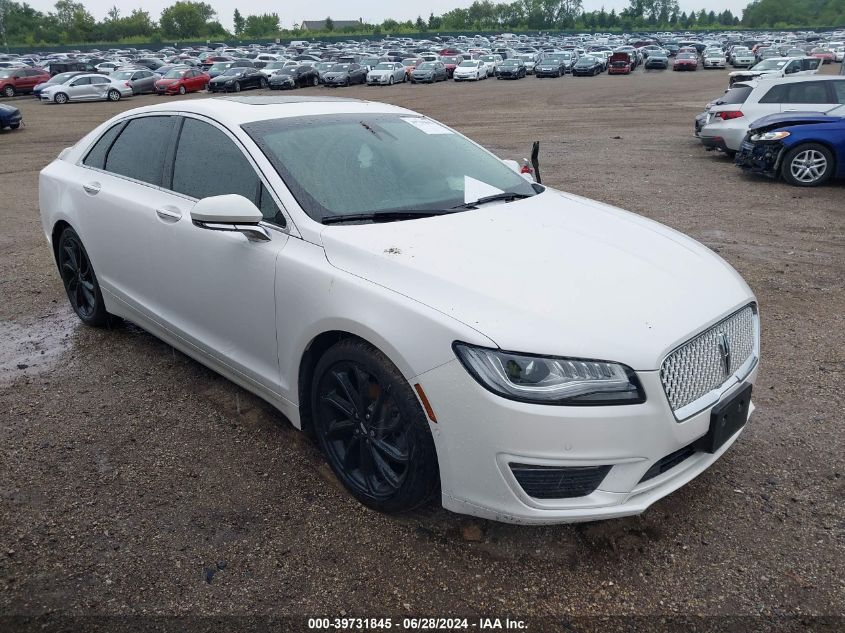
x: 727, y: 124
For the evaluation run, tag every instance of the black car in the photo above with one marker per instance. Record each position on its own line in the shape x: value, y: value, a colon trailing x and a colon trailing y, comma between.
x: 294, y: 77
x: 345, y: 75
x: 511, y: 68
x: 54, y: 68
x: 429, y: 72
x: 550, y: 66
x: 587, y: 66
x: 153, y: 63
x: 10, y: 117
x: 236, y: 79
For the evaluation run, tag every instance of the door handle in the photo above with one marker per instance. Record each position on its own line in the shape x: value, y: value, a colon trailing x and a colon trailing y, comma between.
x: 169, y: 214
x: 92, y: 188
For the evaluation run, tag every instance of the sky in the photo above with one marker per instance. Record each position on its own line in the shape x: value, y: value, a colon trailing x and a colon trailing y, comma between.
x: 372, y: 11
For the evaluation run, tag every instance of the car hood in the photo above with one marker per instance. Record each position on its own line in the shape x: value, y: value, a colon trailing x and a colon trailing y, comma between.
x: 223, y: 78
x: 7, y: 109
x: 790, y: 118
x: 335, y: 75
x: 552, y: 274
x: 167, y: 81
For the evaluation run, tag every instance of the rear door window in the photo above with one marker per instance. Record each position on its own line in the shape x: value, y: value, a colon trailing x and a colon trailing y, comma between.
x: 140, y: 149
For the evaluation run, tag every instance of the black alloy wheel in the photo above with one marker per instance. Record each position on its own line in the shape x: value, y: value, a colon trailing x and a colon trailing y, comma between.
x: 372, y: 429
x: 79, y: 280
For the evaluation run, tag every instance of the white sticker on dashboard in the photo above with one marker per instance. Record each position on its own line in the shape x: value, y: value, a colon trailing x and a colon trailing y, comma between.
x: 427, y: 125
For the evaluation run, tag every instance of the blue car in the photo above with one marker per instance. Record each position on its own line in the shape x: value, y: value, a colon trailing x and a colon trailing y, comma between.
x: 806, y: 149
x: 10, y: 116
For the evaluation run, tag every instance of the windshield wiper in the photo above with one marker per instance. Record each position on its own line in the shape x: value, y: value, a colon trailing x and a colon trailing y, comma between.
x: 385, y: 216
x: 505, y: 196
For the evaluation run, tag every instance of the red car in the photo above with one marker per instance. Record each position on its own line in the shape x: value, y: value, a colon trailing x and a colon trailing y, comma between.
x: 14, y: 81
x: 182, y: 80
x: 823, y: 54
x: 209, y: 61
x: 619, y: 64
x: 451, y: 63
x: 685, y: 61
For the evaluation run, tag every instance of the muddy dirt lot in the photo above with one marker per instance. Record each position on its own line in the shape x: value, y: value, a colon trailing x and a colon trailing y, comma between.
x: 135, y: 481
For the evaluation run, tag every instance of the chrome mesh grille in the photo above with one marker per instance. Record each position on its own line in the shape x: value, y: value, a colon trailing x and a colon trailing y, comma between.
x: 697, y: 366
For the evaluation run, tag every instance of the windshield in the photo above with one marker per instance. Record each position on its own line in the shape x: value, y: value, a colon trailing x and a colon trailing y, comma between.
x: 175, y: 74
x: 384, y: 67
x: 511, y: 62
x: 770, y: 64
x: 121, y: 74
x: 220, y: 66
x: 232, y: 71
x: 273, y: 65
x: 426, y: 66
x: 287, y: 70
x: 379, y: 163
x: 584, y: 61
x: 468, y: 64
x: 6, y: 73
x: 340, y: 68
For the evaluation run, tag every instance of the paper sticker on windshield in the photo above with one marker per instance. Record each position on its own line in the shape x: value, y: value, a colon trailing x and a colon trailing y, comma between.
x: 475, y: 189
x: 427, y: 125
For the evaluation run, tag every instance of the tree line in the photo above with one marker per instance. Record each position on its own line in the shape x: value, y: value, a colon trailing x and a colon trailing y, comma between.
x: 71, y: 23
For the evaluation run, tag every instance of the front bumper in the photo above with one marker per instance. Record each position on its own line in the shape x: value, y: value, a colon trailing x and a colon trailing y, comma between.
x: 479, y: 435
x: 761, y: 157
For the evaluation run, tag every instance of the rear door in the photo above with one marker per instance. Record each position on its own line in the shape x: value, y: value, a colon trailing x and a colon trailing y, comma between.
x: 117, y: 194
x: 100, y: 87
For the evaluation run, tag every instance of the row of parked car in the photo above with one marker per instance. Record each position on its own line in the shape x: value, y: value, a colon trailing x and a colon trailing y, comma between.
x: 176, y: 71
x: 787, y: 127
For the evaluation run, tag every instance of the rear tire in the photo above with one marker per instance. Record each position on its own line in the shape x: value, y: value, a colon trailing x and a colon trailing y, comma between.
x: 113, y: 95
x: 371, y: 427
x: 80, y: 282
x: 264, y: 84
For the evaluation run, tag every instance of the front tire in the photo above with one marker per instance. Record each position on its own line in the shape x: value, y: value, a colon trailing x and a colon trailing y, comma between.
x: 237, y: 86
x: 9, y: 91
x: 372, y: 429
x: 80, y: 282
x: 60, y: 98
x: 808, y: 165
x: 182, y: 90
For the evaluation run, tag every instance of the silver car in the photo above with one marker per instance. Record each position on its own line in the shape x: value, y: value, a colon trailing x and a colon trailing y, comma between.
x: 91, y: 87
x: 140, y: 80
x: 386, y: 73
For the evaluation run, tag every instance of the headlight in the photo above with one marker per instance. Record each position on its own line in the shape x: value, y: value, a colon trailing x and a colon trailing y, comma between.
x: 770, y: 136
x: 551, y: 380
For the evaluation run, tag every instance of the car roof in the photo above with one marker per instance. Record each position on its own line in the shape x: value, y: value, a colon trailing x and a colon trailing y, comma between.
x: 238, y: 110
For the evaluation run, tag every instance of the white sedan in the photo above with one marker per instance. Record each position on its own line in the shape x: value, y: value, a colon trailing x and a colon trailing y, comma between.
x: 526, y: 354
x: 90, y: 87
x: 470, y: 69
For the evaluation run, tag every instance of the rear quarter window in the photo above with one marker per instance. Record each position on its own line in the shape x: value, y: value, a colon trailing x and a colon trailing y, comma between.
x: 97, y: 155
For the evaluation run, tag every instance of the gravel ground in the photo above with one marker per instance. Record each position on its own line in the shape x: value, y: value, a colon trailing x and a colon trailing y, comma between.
x: 133, y: 481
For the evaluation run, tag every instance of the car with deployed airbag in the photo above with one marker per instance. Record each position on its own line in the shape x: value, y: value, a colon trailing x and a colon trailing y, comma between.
x: 523, y: 353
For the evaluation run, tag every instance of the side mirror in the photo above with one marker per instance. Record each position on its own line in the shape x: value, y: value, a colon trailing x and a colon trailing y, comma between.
x: 230, y: 212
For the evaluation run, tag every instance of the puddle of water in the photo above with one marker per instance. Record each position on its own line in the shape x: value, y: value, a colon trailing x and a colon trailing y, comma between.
x: 34, y: 346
